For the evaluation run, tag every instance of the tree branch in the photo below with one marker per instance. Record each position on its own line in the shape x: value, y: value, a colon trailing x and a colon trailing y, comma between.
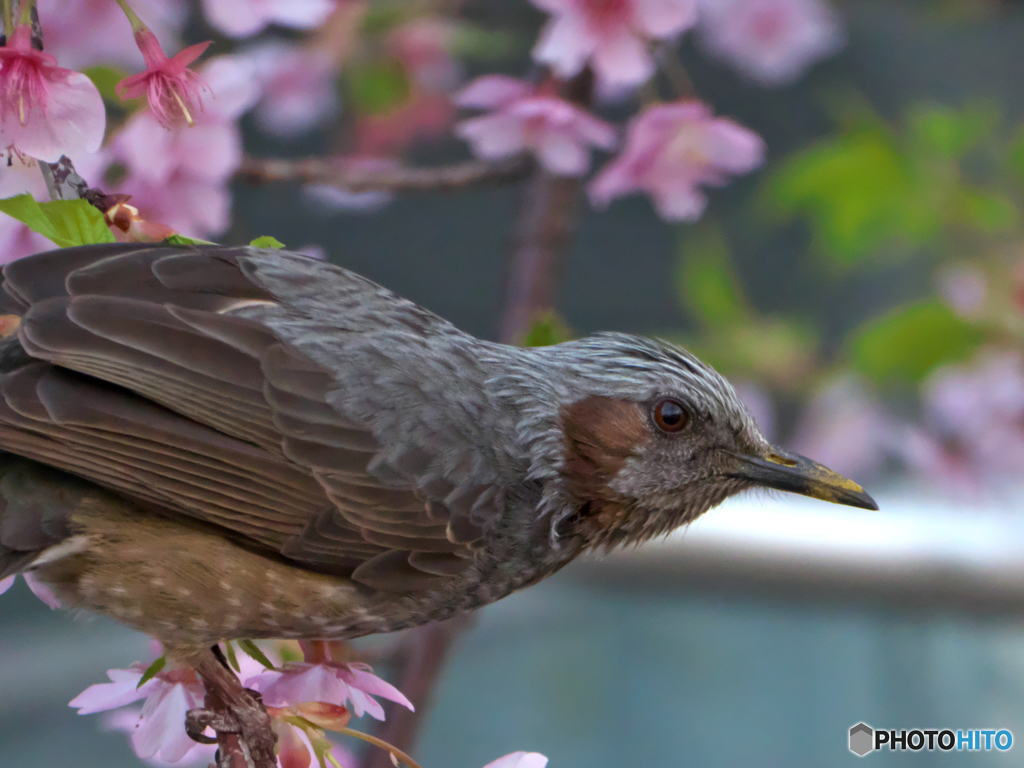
x: 355, y: 178
x: 244, y: 734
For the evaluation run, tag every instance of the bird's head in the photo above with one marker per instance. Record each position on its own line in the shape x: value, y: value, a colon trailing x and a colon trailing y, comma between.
x: 653, y: 438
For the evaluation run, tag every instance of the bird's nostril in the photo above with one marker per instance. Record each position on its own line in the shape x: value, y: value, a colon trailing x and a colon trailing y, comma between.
x: 776, y: 459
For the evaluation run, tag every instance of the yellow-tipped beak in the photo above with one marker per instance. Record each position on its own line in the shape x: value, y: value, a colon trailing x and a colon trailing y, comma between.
x: 794, y: 473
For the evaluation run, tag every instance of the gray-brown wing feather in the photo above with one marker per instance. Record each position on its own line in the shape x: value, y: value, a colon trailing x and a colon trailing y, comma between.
x: 183, y: 378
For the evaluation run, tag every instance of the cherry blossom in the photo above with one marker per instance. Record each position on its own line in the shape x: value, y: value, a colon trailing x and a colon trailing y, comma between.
x: 244, y: 18
x: 179, y: 178
x: 169, y: 86
x: 329, y: 682
x: 558, y: 132
x: 298, y: 89
x: 770, y: 41
x: 72, y: 29
x: 519, y: 760
x: 422, y: 47
x: 964, y: 287
x: 611, y: 34
x: 126, y: 720
x: 425, y: 116
x: 846, y: 428
x: 45, y: 110
x: 671, y: 151
x: 169, y: 695
x: 974, y: 423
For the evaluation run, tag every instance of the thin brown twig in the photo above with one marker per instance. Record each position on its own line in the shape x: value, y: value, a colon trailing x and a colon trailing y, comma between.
x: 319, y: 170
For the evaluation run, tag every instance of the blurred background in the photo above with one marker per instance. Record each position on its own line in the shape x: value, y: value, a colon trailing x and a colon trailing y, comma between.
x: 863, y: 289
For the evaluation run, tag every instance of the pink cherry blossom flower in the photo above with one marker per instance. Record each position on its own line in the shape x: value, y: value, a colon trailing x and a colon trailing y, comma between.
x: 426, y: 116
x: 298, y: 88
x: 244, y: 18
x: 611, y: 34
x: 770, y: 41
x: 327, y: 681
x: 180, y: 177
x: 846, y: 428
x: 964, y: 287
x: 169, y: 86
x: 72, y: 30
x: 558, y: 132
x: 160, y: 729
x: 519, y: 760
x: 422, y: 45
x: 973, y: 436
x: 671, y: 151
x: 46, y: 111
x: 126, y: 720
x: 7, y: 583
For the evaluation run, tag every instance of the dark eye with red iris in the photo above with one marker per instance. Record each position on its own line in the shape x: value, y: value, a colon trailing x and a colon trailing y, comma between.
x: 670, y: 416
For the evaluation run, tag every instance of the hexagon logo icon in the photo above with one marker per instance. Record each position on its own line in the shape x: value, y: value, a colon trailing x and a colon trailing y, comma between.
x: 862, y: 739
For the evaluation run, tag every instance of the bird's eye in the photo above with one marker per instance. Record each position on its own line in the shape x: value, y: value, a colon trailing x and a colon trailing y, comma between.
x: 670, y: 416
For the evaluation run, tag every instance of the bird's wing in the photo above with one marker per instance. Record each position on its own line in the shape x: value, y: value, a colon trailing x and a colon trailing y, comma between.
x: 247, y: 389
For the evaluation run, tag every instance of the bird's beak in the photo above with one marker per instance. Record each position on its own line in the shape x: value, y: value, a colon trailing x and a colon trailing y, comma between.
x: 786, y: 471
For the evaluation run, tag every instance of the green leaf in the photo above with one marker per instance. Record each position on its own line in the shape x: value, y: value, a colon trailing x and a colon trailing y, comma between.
x: 707, y: 283
x: 266, y: 242
x: 232, y: 658
x: 854, y: 191
x: 378, y: 87
x: 66, y: 222
x: 470, y: 42
x: 910, y: 342
x: 152, y: 671
x: 946, y: 132
x: 182, y: 240
x: 548, y: 328
x: 253, y: 650
x: 989, y: 212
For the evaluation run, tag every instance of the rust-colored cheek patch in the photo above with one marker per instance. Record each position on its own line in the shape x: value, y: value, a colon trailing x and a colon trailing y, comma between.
x: 601, y: 433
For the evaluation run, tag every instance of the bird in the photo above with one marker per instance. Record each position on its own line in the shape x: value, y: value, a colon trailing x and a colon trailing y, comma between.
x: 210, y: 442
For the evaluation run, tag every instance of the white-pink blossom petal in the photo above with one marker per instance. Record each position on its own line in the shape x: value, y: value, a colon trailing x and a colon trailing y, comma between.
x: 299, y: 683
x: 493, y: 91
x: 72, y: 122
x: 558, y: 132
x: 161, y: 730
x: 5, y: 584
x: 614, y: 36
x: 519, y: 760
x: 771, y: 41
x: 244, y: 18
x: 121, y: 690
x: 365, y: 680
x: 41, y: 590
x: 671, y: 151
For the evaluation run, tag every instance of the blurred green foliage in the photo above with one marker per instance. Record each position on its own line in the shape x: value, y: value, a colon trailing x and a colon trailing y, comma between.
x: 377, y: 86
x: 941, y: 185
x: 548, y: 328
x: 910, y: 342
x: 876, y: 185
